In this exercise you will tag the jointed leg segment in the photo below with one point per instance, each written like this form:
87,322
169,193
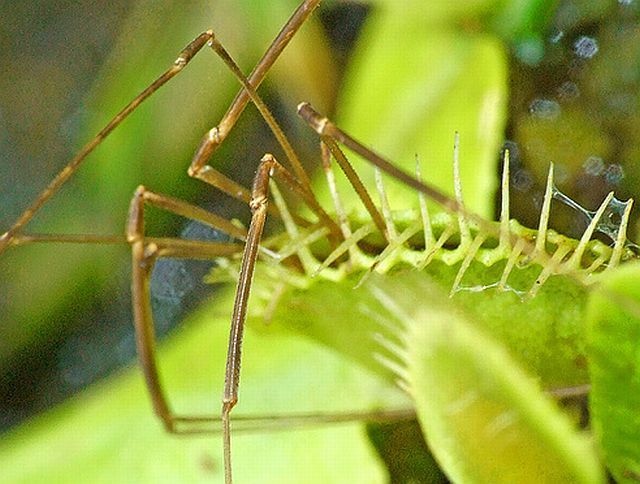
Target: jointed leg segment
180,63
144,253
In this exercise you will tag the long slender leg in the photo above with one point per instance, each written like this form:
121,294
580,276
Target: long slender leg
267,169
258,204
211,141
144,253
324,127
215,136
146,250
182,60
303,178
357,184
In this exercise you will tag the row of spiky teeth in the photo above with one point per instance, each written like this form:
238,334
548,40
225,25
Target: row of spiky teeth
513,245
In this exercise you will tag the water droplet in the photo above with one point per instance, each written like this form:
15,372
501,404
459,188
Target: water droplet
521,180
544,108
568,91
586,47
556,36
614,174
594,166
530,51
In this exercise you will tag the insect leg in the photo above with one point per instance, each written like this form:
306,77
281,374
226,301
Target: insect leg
323,126
215,136
268,168
145,251
258,204
61,178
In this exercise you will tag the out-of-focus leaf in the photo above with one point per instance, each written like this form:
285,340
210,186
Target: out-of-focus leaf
411,87
402,447
483,416
614,366
438,12
521,19
109,433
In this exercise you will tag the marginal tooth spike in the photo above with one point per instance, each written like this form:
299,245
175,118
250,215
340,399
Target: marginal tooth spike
379,262
595,265
304,240
465,231
511,262
273,301
429,239
544,214
405,387
480,238
549,268
347,245
386,208
392,347
621,239
384,261
393,309
333,189
505,243
574,262
505,236
448,232
309,263
393,366
354,253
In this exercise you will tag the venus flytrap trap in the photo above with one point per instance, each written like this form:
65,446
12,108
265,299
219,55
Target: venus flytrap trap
474,325
613,328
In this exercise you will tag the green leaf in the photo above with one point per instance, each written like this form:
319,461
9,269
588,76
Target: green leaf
484,417
109,432
373,321
410,88
546,333
614,366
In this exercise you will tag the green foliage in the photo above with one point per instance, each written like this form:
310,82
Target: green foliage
153,147
484,416
109,433
613,335
475,365
409,108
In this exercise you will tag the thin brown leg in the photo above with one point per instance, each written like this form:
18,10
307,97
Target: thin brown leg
211,140
356,183
182,60
268,168
302,178
184,209
217,135
144,253
258,205
324,127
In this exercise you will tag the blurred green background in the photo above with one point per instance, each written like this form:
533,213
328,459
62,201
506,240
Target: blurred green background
573,70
